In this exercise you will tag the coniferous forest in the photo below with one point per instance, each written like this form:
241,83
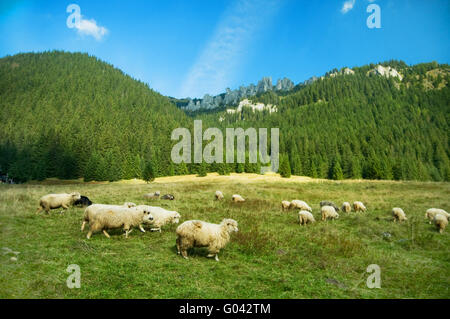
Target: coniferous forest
70,115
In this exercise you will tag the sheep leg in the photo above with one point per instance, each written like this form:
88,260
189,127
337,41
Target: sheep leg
82,225
184,254
127,231
106,233
39,210
89,234
178,245
141,228
217,257
156,229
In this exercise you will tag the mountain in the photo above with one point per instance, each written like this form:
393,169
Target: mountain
70,115
385,121
232,97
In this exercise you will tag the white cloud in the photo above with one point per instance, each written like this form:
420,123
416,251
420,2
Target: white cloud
219,60
90,27
347,6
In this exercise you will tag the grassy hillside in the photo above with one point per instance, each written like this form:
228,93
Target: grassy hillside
270,257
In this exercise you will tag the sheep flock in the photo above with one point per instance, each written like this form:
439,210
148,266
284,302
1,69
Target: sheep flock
199,233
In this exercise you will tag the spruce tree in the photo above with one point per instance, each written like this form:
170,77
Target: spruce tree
148,174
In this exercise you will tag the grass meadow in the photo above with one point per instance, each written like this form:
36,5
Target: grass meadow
270,257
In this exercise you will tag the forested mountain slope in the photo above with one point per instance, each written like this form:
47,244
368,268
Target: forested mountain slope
360,124
70,115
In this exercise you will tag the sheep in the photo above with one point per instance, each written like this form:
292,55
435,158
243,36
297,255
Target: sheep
441,222
197,233
399,214
305,217
52,201
328,203
285,205
161,216
237,198
431,212
103,218
359,206
82,202
89,213
152,195
219,195
328,212
346,207
300,204
168,196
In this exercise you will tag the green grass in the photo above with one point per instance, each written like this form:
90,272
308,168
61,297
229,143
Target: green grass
270,257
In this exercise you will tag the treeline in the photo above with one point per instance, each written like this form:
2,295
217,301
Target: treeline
69,115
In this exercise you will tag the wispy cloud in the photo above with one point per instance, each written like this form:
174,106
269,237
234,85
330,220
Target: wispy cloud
215,66
90,27
347,6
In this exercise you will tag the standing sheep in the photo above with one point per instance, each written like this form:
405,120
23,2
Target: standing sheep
359,206
93,209
441,222
237,198
346,207
219,195
197,233
52,201
285,205
431,212
161,216
115,217
305,217
328,212
399,214
300,205
328,203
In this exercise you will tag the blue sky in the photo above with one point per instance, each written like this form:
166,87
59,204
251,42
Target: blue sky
193,47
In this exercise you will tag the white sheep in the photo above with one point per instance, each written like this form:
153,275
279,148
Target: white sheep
237,198
300,205
103,218
285,205
152,195
346,207
441,222
431,212
219,195
52,201
399,214
359,206
161,216
305,217
88,213
328,212
197,233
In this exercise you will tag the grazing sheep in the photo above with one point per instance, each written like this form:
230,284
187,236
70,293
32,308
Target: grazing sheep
441,222
399,214
168,196
82,202
300,204
161,216
219,195
103,218
52,201
346,207
237,198
431,212
305,217
89,213
285,205
152,195
359,206
328,203
197,233
328,212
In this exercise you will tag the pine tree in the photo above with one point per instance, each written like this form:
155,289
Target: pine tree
148,174
285,167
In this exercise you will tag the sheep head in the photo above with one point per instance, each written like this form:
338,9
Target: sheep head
75,196
175,218
230,225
